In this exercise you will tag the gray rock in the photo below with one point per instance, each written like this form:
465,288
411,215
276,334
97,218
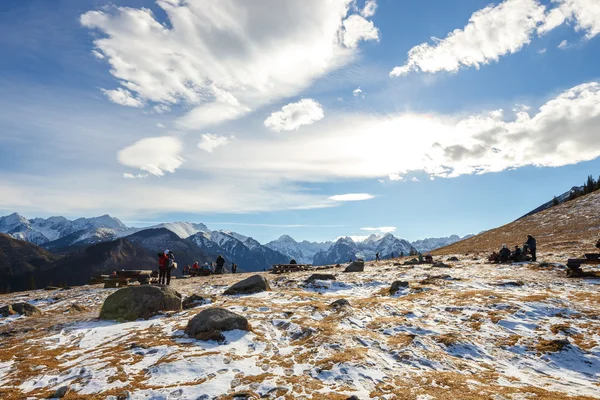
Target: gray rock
397,285
440,264
61,392
356,266
414,261
253,284
340,303
20,308
453,259
193,301
209,324
508,283
51,288
135,302
320,277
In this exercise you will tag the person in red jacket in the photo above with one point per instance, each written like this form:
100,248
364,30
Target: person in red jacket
163,267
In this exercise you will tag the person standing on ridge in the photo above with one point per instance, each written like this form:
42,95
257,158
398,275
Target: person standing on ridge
233,268
376,256
220,264
532,245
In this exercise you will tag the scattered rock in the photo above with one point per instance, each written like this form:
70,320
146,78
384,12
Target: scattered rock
253,284
440,264
340,303
61,392
356,266
320,277
453,259
193,301
433,278
353,398
414,261
66,288
50,288
397,285
135,302
76,308
508,283
209,324
19,308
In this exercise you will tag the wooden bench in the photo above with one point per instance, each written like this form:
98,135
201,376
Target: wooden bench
281,268
123,278
574,265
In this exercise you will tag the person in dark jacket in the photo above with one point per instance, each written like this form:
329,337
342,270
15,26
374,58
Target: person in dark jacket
163,267
220,264
293,261
517,254
504,254
233,268
376,256
532,245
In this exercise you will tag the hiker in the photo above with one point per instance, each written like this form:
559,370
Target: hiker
532,246
429,258
517,255
401,254
163,266
186,269
504,254
293,261
195,266
220,263
233,268
376,256
392,256
494,258
420,258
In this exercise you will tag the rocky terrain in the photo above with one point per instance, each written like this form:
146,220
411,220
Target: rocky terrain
464,330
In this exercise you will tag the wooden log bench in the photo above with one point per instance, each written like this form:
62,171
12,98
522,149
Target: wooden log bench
574,265
281,268
123,278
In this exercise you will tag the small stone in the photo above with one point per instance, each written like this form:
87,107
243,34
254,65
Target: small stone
209,324
253,284
453,259
320,277
356,266
340,303
61,392
192,301
397,285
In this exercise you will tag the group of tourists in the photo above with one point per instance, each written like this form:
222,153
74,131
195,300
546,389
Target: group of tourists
518,254
166,264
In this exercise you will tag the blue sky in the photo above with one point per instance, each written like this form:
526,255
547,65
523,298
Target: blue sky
316,118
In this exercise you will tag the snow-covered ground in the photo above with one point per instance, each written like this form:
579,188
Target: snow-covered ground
466,332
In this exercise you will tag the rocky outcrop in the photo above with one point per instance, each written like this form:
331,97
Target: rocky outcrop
356,266
209,324
340,303
135,302
20,308
253,284
194,300
397,285
320,277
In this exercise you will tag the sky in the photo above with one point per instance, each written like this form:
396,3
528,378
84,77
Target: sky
313,118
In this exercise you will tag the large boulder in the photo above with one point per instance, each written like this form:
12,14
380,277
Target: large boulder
19,308
253,284
209,324
356,266
320,277
135,302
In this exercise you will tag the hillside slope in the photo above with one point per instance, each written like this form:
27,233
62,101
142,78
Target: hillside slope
571,228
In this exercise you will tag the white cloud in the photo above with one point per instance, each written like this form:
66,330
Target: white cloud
294,115
414,179
210,142
161,108
356,92
382,229
357,29
542,51
351,197
128,175
154,155
223,59
98,55
394,176
491,33
369,9
123,97
563,45
159,125
585,14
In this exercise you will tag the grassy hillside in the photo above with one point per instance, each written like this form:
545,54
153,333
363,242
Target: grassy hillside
570,228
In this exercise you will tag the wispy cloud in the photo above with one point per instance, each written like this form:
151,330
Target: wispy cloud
154,155
382,229
210,142
295,115
351,197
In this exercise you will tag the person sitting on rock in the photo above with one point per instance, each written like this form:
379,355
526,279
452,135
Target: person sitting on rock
494,258
517,254
504,254
186,269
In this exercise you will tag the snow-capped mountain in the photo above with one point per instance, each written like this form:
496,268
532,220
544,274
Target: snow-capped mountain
249,254
346,249
429,244
40,231
303,252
